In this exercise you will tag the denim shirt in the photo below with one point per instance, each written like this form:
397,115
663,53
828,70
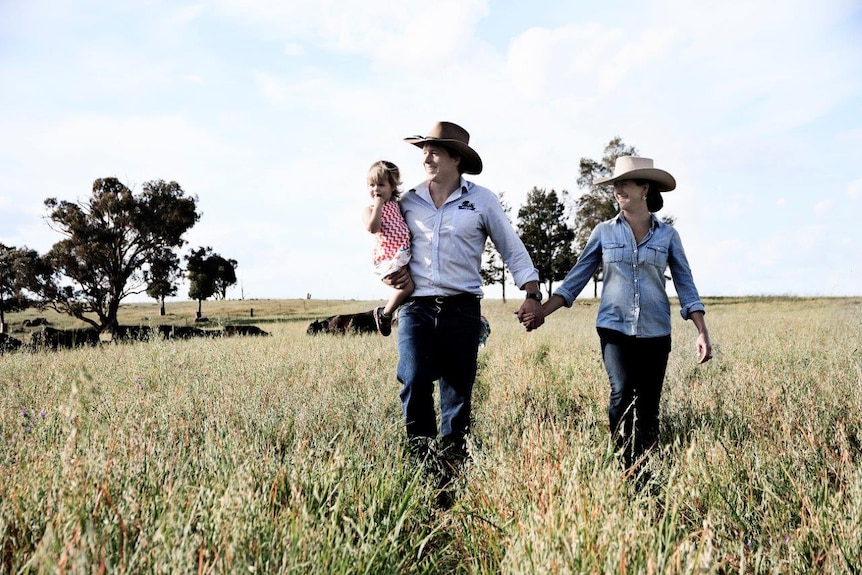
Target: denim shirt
447,242
634,300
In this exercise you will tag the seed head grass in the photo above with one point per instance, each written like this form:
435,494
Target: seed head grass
285,454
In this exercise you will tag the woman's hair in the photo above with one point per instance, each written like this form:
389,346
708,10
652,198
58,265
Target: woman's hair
383,171
654,201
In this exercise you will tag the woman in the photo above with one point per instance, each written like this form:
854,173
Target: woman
634,321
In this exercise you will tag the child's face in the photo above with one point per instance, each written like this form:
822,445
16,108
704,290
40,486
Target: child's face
380,190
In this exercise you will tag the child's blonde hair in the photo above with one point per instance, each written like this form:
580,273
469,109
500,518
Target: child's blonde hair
383,171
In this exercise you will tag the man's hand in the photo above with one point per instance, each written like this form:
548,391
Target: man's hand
530,314
397,279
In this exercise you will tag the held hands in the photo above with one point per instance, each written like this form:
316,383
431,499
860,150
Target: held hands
531,314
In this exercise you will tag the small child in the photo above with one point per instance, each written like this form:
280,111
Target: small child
392,252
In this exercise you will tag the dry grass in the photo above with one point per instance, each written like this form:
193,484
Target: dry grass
284,454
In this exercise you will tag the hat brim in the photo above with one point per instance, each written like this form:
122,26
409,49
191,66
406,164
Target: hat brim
471,163
663,180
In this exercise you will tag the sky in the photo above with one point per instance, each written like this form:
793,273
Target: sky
271,111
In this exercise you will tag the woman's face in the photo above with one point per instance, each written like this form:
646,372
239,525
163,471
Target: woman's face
628,194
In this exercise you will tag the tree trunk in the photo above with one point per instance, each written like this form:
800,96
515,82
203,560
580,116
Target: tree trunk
199,315
162,307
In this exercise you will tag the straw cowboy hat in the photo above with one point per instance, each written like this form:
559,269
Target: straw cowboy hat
456,139
635,168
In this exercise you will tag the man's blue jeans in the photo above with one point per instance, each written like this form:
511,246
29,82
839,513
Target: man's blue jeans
636,368
438,339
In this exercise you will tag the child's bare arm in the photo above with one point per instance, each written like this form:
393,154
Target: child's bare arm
372,215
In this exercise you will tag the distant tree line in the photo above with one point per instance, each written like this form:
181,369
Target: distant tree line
115,243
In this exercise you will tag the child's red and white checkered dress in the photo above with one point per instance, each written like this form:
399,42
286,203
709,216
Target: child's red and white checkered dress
392,251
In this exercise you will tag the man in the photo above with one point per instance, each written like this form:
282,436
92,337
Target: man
439,325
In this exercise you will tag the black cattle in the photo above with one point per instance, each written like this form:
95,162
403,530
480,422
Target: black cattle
35,322
9,343
133,333
181,331
243,330
352,323
50,338
318,326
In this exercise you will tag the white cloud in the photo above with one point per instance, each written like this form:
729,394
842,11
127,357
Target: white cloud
272,111
386,31
824,207
293,49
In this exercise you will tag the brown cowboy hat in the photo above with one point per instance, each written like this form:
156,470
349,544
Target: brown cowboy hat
636,168
455,138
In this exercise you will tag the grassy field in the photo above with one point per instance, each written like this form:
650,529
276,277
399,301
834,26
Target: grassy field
284,454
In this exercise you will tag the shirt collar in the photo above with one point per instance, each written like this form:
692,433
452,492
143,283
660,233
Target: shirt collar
619,220
466,186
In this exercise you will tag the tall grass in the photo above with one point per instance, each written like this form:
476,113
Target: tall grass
285,454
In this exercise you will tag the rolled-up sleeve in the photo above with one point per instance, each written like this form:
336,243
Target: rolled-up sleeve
683,281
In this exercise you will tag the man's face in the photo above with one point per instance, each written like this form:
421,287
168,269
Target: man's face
439,164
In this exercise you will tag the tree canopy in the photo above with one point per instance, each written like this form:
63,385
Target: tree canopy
209,275
162,276
22,272
109,240
544,231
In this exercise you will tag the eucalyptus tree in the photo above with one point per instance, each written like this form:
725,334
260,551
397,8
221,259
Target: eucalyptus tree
209,275
109,239
22,272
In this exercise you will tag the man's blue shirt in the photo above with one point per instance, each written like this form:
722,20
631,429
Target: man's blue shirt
447,242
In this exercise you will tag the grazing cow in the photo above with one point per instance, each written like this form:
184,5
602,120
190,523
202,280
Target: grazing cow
181,331
243,330
9,343
35,322
133,333
50,338
352,323
318,326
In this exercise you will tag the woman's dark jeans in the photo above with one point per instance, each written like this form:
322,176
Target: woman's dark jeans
636,369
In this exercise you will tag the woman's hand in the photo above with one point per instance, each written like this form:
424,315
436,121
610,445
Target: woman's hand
704,347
